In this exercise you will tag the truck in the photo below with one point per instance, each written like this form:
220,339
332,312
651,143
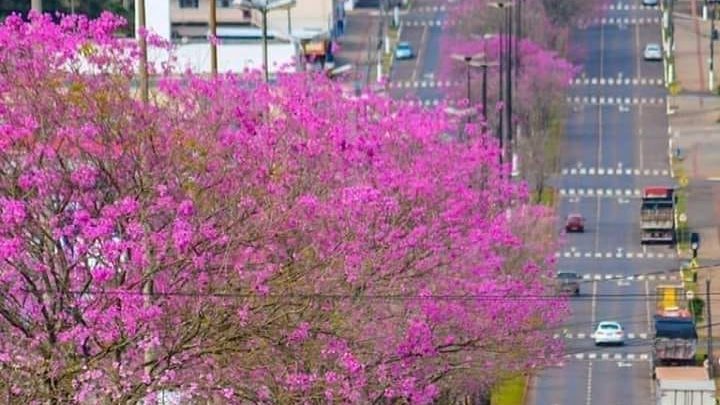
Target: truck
684,386
657,215
670,301
675,340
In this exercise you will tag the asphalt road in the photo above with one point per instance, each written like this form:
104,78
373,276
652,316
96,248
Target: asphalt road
417,79
616,144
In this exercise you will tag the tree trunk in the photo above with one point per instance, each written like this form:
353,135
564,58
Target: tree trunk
36,5
127,4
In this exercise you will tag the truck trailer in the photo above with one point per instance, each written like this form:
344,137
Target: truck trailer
684,386
657,215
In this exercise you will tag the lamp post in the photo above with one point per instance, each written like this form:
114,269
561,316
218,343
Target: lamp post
264,6
468,60
485,65
506,70
144,79
213,34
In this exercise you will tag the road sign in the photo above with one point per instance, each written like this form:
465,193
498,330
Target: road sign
695,240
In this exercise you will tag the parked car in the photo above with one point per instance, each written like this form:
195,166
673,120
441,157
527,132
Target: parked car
652,52
404,50
650,3
568,282
575,223
609,332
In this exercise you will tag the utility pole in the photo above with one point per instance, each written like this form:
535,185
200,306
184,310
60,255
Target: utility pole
144,80
501,95
508,82
711,70
36,5
213,38
265,44
709,327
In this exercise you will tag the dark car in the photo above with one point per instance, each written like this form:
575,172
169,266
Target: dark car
568,282
575,223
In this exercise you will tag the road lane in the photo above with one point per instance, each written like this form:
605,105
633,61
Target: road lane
607,162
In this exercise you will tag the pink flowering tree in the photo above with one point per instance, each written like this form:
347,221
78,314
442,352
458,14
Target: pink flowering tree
239,242
539,96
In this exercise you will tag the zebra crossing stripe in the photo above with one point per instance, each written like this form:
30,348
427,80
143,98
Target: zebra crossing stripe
574,253
617,171
609,356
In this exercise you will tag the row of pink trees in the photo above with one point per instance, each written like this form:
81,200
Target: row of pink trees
541,74
240,242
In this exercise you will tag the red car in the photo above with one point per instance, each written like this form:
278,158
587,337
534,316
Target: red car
575,223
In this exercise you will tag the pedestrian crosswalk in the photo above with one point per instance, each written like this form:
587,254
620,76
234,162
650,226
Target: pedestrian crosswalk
614,171
407,84
432,102
625,6
595,100
618,21
428,23
638,277
580,336
608,356
617,81
428,9
601,192
576,254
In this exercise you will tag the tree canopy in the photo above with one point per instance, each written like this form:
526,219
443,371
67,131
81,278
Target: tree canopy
249,242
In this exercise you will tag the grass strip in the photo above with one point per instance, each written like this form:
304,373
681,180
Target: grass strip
510,391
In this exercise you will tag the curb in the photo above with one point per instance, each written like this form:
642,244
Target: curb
529,378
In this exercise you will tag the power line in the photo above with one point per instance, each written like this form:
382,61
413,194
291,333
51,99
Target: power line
373,297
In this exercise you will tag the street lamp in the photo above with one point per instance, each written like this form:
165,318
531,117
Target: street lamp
484,64
264,6
505,62
478,60
468,59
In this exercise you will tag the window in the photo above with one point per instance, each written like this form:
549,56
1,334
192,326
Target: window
224,3
189,3
246,14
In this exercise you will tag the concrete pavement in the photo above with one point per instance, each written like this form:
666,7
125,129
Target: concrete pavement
695,132
694,129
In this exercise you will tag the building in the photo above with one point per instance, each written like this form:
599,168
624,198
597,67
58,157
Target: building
189,18
300,34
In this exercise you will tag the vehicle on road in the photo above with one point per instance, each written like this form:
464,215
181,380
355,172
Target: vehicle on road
404,50
575,223
568,282
650,3
675,341
684,385
652,52
657,215
609,333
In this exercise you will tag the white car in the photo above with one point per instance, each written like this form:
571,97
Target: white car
652,52
609,332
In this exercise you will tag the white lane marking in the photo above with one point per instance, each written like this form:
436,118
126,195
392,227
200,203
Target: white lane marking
418,58
588,398
648,316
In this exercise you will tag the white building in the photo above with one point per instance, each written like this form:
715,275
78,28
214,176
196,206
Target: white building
301,32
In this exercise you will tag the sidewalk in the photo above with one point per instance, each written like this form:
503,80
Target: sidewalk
694,128
358,45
